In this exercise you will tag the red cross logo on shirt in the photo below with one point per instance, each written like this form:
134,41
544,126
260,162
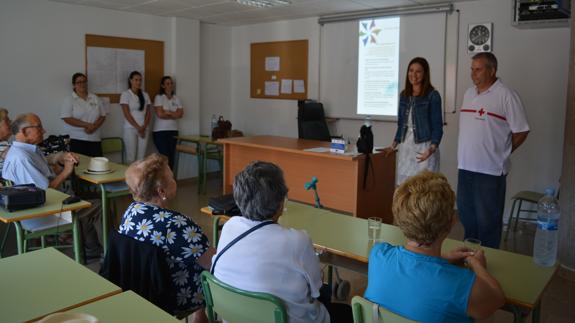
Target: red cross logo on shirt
481,112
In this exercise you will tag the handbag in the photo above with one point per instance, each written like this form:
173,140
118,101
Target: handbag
224,205
222,130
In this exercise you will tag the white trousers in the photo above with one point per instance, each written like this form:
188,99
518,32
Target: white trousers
135,145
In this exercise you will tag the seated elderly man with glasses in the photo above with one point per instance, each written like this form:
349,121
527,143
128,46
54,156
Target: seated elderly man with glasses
25,164
271,259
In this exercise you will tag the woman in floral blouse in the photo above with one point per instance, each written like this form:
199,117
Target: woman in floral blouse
147,219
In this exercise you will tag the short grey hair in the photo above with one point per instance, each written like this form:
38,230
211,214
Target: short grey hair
20,122
259,190
489,58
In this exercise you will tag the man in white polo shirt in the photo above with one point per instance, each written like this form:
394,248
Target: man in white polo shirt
492,124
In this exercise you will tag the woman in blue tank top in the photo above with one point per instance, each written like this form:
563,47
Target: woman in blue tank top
415,280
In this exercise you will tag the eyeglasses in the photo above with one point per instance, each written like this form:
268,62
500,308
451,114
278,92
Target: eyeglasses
81,82
38,126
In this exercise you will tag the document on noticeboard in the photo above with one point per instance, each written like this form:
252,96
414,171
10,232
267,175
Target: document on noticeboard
298,86
273,63
286,86
272,88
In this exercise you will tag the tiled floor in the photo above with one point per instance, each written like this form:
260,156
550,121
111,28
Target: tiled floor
558,302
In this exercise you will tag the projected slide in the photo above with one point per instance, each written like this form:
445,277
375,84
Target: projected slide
378,66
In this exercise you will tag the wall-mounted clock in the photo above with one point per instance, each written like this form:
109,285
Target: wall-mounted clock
480,38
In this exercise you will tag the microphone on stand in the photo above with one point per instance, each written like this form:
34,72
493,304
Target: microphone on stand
313,186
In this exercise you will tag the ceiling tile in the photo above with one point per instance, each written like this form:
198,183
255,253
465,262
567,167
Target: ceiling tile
103,4
211,10
387,3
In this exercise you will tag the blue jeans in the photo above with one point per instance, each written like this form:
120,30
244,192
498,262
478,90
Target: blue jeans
165,142
480,202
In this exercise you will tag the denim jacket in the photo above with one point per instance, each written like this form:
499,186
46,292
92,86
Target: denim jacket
427,118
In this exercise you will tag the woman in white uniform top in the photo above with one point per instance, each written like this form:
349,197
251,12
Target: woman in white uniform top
168,109
136,108
83,115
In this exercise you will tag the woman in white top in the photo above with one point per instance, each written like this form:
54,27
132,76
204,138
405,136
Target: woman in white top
83,115
168,109
272,259
136,108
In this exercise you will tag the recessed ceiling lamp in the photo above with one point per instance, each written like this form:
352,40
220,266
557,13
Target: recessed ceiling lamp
264,3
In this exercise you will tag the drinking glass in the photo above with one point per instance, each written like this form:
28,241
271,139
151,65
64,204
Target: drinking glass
373,228
285,204
472,244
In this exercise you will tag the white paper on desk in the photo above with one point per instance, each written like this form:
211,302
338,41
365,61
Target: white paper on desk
286,86
273,63
298,86
47,221
318,150
272,88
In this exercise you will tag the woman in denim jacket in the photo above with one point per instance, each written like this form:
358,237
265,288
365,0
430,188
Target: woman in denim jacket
419,123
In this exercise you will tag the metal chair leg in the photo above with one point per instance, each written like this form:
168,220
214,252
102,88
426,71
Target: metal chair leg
4,239
200,170
20,239
510,222
518,215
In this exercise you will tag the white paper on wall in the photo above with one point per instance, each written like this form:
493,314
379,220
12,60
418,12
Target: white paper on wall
272,88
109,68
286,86
298,86
273,63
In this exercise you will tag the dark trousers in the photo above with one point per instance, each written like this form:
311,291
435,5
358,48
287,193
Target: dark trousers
165,142
338,312
480,202
88,148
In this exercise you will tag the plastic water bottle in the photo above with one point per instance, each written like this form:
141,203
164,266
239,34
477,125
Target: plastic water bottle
546,238
214,122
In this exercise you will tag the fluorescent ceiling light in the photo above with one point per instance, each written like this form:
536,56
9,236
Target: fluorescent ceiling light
264,3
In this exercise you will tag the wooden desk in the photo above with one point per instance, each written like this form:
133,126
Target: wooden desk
340,185
117,176
522,281
125,307
45,281
52,206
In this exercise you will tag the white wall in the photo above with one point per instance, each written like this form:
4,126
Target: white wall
42,45
216,72
533,61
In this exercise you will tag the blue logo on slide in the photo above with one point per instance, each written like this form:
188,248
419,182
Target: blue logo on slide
368,32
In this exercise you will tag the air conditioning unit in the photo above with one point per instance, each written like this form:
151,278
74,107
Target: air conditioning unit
541,13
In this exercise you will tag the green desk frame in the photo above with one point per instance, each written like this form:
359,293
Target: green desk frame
52,206
202,144
118,175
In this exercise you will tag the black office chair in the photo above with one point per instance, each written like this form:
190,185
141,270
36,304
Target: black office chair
311,121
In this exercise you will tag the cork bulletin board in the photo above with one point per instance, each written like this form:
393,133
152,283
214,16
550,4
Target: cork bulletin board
150,52
279,70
